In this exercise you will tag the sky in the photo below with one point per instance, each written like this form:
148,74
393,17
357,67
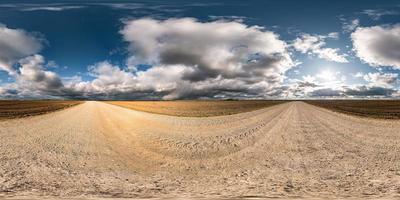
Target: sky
265,49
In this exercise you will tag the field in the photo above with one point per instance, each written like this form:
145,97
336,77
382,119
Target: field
288,150
384,109
202,108
16,109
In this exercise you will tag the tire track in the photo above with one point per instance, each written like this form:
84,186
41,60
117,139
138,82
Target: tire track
291,149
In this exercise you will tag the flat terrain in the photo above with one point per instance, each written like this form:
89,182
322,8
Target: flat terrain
292,149
198,108
384,109
16,109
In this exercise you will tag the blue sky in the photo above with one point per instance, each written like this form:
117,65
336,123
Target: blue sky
273,49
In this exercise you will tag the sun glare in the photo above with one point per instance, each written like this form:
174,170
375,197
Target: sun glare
326,75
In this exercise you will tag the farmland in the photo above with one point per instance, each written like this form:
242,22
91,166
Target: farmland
383,109
200,108
16,109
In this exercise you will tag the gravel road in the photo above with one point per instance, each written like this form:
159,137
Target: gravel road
288,150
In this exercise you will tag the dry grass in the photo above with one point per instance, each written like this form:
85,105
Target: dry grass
15,109
384,109
198,108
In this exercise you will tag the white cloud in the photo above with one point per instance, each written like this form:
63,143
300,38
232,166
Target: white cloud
350,26
315,44
32,80
124,6
324,84
212,56
229,18
111,80
386,80
333,85
333,35
358,75
187,58
51,8
315,89
309,78
331,55
42,6
378,45
32,75
14,45
108,78
377,14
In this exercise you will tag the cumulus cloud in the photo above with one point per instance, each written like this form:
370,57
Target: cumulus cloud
186,59
16,44
33,75
18,57
111,81
208,56
32,80
315,44
386,80
165,82
378,45
109,77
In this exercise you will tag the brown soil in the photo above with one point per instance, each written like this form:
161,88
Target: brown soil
384,109
202,108
15,109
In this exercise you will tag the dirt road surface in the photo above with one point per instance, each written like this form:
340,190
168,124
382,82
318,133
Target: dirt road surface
288,150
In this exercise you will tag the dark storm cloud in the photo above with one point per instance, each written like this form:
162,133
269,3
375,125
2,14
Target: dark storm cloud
326,92
369,91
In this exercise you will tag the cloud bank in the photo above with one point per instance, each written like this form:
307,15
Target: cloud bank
189,59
